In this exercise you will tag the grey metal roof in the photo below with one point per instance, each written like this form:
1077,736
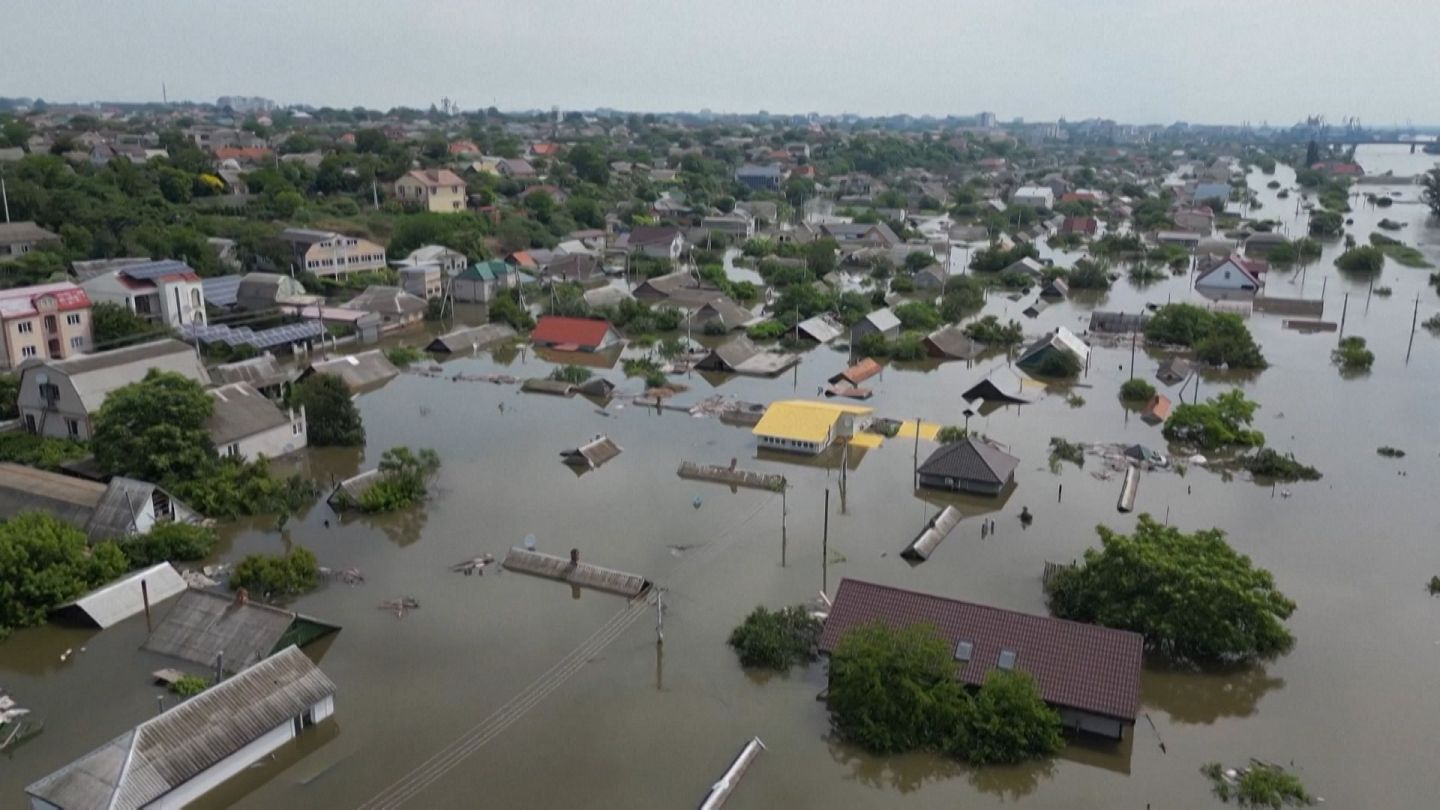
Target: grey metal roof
883,320
952,341
821,329
971,459
470,338
387,301
203,624
96,375
730,354
15,232
360,370
111,604
274,337
260,371
221,291
241,412
115,515
161,754
72,500
306,236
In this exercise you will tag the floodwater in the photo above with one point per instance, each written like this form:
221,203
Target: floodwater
1353,706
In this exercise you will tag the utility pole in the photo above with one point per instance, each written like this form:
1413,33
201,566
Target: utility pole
825,547
784,511
915,461
1133,337
5,195
1414,319
1343,310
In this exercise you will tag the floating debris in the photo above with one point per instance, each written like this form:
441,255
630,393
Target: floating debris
349,576
195,579
401,606
474,565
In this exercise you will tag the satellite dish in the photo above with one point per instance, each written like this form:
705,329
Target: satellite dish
530,542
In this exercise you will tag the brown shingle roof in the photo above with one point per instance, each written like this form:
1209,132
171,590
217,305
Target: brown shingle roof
1080,666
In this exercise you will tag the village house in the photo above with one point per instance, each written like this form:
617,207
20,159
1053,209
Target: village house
1033,197
761,178
448,260
739,355
855,235
439,191
655,241
46,321
58,397
580,268
1089,674
362,371
806,427
257,292
19,238
244,424
397,309
1232,275
969,465
736,224
1197,220
326,253
180,755
110,511
1060,341
425,281
166,292
574,334
881,322
482,281
1259,245
1084,226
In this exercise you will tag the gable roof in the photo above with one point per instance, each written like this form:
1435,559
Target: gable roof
96,375
1079,666
162,753
435,178
652,235
559,331
951,341
387,301
359,370
111,604
821,328
803,420
16,232
883,319
971,459
203,625
240,412
470,338
1062,339
20,302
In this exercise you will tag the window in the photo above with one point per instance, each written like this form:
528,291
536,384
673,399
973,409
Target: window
25,327
27,351
73,319
964,650
77,343
1007,659
233,451
30,423
72,428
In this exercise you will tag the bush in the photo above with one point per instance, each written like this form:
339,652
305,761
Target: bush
894,691
949,434
1271,464
1190,594
917,315
1089,275
294,572
1397,250
230,488
1367,260
402,356
188,686
46,562
776,640
1146,274
902,284
404,480
1352,356
1229,343
1216,423
44,452
963,296
570,374
1136,390
766,330
169,542
990,331
1390,452
1062,449
331,418
1326,223
1261,785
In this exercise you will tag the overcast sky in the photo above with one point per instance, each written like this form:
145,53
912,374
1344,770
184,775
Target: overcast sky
1138,61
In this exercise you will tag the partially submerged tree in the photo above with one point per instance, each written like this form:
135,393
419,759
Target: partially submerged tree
1262,785
1191,595
294,572
45,562
331,418
776,639
1219,422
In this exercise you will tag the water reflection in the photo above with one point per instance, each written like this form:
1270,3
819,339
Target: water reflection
1201,697
905,773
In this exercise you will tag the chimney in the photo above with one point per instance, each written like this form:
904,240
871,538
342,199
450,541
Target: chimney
242,596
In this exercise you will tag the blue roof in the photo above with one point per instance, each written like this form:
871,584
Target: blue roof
245,336
221,290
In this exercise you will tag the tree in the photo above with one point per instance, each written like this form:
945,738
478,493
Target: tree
917,315
372,141
294,572
963,296
1136,390
590,164
45,562
9,396
1352,355
776,639
1007,722
1190,594
404,479
1229,343
1216,423
171,541
990,331
330,413
1366,260
1430,193
112,323
1262,785
1326,223
154,429
1089,275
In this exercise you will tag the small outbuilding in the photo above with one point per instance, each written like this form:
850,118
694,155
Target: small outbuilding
969,465
205,627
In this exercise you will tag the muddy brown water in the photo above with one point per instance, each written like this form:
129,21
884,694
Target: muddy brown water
1354,706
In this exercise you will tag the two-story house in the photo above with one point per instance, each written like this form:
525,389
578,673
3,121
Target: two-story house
167,291
326,253
58,397
44,322
656,241
439,191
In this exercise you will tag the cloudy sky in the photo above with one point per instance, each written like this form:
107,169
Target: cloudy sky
1139,61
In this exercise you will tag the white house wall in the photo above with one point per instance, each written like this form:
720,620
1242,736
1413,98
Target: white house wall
281,440
212,777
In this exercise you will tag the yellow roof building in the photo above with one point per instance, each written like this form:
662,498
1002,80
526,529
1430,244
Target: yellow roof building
804,421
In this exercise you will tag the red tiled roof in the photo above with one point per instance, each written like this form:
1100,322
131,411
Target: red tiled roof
545,148
434,178
242,152
554,330
19,302
1080,666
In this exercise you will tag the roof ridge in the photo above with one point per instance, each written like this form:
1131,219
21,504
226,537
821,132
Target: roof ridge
1025,614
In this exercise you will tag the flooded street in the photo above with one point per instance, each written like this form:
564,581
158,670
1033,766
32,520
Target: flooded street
1353,706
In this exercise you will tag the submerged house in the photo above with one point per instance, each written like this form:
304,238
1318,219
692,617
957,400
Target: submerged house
806,427
470,338
176,757
1089,674
1173,370
111,511
1234,275
969,465
951,342
1042,352
739,355
127,596
591,454
881,322
359,372
574,334
231,632
1117,323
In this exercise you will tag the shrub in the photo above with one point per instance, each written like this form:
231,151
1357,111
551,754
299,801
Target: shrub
294,572
1352,356
989,330
1136,390
171,541
1056,365
949,434
963,296
331,418
402,356
1261,785
1191,595
776,639
1146,274
1390,452
1064,450
1367,259
1326,223
766,330
1089,275
570,374
44,452
917,315
188,686
404,479
1216,423
1268,463
45,562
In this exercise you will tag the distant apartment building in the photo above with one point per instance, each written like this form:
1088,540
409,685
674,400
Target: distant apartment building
167,292
768,177
439,191
44,322
326,253
245,104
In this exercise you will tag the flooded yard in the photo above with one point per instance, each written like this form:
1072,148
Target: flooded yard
619,721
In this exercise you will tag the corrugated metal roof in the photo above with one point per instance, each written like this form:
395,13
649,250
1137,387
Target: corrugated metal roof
1075,665
883,320
241,412
260,372
802,420
202,624
163,753
96,375
114,516
360,370
111,604
470,339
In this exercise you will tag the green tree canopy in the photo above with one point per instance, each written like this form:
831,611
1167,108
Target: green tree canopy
330,414
776,639
1216,423
1191,595
45,562
111,323
154,429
